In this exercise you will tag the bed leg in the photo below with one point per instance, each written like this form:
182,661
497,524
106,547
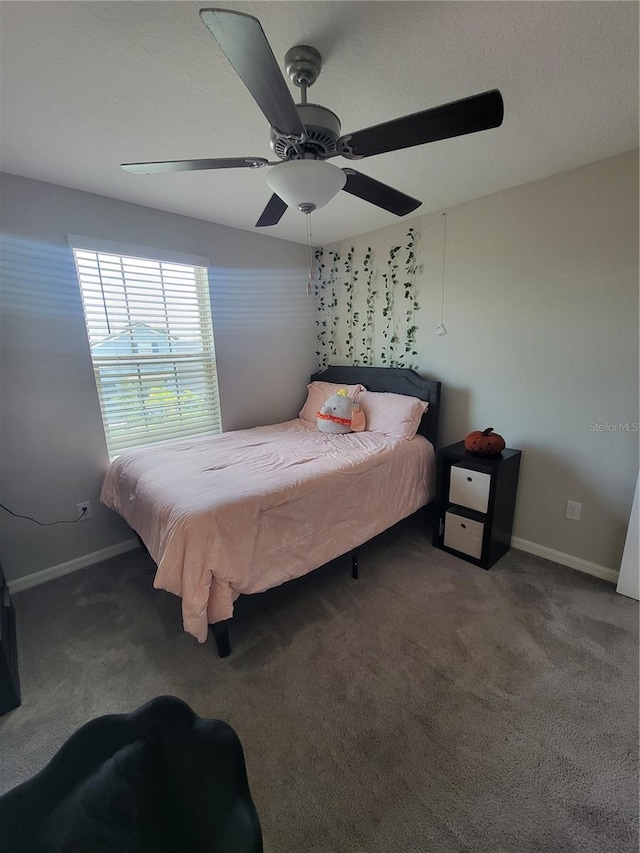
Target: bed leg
354,564
220,631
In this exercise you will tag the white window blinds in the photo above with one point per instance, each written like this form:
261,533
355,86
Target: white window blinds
151,339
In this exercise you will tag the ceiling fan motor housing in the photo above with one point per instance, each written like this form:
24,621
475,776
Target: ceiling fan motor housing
323,131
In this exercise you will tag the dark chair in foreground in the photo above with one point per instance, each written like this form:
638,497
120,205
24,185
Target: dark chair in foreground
158,780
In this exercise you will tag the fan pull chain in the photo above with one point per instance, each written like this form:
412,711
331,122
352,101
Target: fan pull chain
309,254
441,329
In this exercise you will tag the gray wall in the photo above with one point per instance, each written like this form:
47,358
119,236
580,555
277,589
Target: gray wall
52,449
541,304
542,311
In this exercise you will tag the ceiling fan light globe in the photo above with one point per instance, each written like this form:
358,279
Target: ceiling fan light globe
306,182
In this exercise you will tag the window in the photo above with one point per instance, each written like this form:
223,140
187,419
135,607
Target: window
151,339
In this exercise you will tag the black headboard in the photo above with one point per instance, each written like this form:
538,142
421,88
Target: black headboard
395,380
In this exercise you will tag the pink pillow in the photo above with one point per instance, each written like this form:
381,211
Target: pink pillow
319,392
392,414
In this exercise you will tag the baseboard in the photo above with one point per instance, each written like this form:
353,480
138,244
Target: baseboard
565,559
52,572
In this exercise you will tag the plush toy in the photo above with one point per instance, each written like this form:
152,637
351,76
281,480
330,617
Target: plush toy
340,414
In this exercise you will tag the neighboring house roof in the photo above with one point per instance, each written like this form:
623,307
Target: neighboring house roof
134,326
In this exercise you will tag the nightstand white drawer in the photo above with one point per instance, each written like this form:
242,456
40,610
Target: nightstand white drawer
469,488
463,534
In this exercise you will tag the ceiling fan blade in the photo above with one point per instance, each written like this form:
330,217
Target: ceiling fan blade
245,45
379,194
195,165
273,212
479,112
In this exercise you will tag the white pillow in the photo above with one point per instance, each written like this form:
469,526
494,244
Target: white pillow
392,414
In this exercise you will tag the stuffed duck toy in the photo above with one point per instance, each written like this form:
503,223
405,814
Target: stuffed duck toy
340,414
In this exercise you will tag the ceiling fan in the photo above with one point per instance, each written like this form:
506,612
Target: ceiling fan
305,136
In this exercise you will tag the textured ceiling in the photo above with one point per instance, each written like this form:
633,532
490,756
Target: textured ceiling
85,86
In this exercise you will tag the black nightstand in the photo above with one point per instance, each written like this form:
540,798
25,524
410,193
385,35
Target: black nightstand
9,686
475,503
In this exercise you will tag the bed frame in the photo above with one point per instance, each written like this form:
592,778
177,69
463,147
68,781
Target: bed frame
395,380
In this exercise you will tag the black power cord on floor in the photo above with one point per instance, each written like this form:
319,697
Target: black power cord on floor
43,523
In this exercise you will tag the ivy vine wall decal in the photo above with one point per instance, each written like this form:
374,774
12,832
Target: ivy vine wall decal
357,296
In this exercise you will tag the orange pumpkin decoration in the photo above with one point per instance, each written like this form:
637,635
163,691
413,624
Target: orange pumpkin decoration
485,442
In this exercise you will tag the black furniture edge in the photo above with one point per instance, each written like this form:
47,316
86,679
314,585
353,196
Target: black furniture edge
9,678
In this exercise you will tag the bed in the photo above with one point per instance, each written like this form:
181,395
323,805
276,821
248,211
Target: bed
242,512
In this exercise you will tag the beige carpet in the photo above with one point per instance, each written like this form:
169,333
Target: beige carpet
429,706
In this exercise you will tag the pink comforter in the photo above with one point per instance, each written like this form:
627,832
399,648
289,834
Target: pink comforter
245,511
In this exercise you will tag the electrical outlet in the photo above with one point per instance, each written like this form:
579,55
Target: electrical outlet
84,510
574,510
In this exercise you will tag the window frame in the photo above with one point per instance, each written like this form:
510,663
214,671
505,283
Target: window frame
197,366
